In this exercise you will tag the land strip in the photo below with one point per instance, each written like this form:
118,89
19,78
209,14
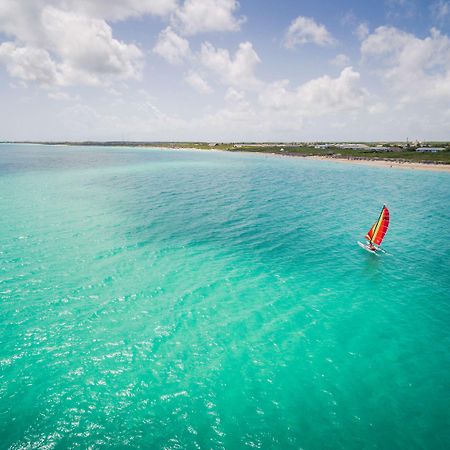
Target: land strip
424,155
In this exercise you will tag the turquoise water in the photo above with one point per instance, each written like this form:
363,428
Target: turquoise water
181,299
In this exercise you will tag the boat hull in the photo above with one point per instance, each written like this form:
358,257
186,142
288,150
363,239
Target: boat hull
365,247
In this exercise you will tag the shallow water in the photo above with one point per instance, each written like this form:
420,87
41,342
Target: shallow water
180,299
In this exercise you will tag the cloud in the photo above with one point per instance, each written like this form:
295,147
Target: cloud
349,18
76,41
94,53
63,96
278,111
235,71
440,10
304,30
340,60
415,69
236,119
281,111
61,43
234,96
29,64
317,97
401,8
75,48
18,16
201,16
362,31
21,19
324,95
121,9
172,47
198,83
377,108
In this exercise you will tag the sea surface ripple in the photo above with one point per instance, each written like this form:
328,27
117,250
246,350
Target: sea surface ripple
178,299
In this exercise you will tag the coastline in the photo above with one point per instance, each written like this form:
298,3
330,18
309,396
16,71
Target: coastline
394,164
358,160
384,163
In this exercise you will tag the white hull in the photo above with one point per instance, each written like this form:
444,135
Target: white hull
366,247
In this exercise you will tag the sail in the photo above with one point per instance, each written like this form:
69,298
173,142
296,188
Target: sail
379,228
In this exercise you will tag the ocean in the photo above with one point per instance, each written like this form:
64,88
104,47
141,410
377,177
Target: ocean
177,299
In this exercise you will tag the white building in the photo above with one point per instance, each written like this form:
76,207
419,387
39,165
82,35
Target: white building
381,148
354,146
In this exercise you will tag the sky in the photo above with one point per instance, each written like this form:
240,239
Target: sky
223,70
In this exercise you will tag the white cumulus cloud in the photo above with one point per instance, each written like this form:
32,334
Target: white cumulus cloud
20,19
195,80
340,60
199,16
29,64
237,70
171,46
304,30
325,94
77,43
87,48
415,69
74,48
317,97
121,9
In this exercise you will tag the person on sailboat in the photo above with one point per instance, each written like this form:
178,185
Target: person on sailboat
371,246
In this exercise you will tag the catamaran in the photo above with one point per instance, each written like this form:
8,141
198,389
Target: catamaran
376,234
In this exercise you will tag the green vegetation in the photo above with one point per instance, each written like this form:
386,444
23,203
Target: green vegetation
442,157
413,156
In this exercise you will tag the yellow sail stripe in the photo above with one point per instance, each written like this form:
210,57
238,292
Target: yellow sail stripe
377,227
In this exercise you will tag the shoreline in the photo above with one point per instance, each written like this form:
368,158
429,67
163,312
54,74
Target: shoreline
384,163
357,160
394,164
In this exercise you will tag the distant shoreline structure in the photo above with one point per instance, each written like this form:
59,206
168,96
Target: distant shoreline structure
433,155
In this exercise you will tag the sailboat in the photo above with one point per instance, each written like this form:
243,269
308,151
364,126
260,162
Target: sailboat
376,234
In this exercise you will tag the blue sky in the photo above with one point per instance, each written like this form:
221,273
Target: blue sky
222,70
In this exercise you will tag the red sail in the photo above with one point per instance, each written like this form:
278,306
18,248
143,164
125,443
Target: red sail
369,234
378,230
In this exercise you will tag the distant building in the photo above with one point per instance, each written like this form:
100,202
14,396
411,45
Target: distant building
381,148
430,149
354,146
